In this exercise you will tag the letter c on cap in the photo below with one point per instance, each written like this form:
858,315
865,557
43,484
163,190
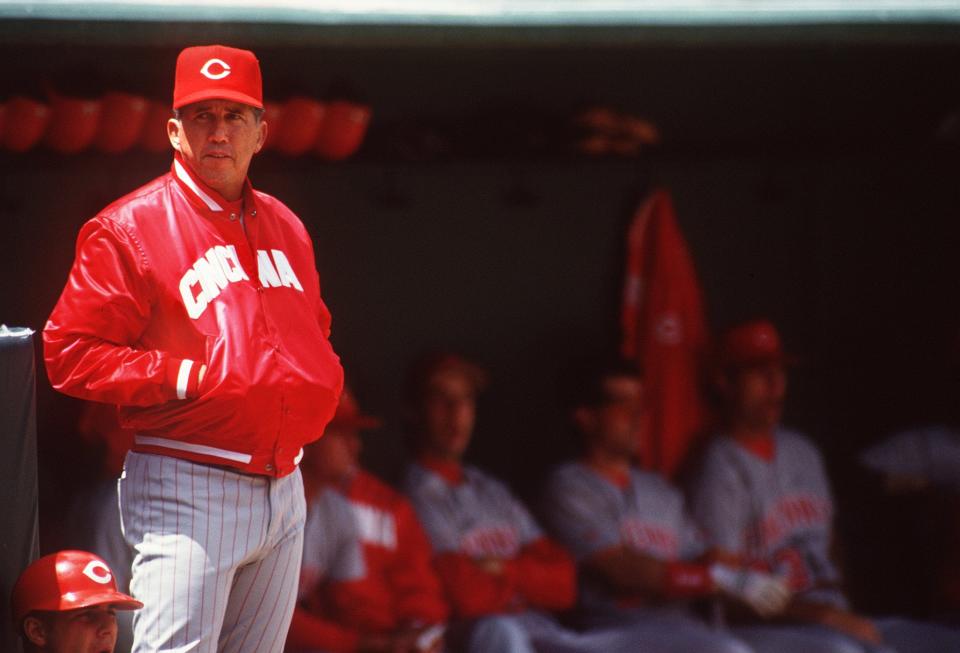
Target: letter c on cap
225,69
97,572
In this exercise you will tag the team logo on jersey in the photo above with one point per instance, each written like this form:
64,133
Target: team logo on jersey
498,541
97,572
375,526
215,69
650,538
794,513
669,329
220,266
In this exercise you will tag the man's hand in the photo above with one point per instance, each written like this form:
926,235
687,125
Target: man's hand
768,595
491,565
854,625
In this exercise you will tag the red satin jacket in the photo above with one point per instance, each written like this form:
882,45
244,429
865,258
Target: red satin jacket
173,277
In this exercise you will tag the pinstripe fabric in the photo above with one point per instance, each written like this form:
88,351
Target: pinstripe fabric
217,555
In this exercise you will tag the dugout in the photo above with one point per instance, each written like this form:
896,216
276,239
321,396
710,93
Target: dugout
813,160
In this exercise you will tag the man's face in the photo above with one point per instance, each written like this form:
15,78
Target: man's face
613,425
334,456
757,397
87,630
449,412
218,138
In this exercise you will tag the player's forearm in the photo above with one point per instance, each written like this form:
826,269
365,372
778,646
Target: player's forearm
833,617
472,590
546,576
90,368
629,571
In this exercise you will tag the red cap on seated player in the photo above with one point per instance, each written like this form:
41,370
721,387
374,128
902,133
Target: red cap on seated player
217,72
348,414
752,343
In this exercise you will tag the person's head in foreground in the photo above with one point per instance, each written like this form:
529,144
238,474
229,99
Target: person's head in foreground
66,602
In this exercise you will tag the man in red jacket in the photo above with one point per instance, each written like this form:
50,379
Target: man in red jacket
366,583
502,575
194,304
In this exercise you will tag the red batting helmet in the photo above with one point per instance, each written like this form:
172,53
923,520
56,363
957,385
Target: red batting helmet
302,119
121,121
26,121
67,580
73,123
342,130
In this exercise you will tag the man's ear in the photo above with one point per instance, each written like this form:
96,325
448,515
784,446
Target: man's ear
34,631
263,135
173,133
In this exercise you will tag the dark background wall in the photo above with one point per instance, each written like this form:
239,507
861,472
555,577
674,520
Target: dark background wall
808,178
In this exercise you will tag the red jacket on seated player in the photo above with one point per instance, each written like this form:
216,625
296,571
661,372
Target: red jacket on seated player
366,580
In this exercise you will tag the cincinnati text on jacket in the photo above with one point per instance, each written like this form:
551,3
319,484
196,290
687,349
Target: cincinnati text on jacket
219,266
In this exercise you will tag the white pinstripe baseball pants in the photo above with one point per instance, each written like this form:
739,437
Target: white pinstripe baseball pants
217,555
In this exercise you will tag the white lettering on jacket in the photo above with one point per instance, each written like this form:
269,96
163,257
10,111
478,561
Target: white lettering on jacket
209,275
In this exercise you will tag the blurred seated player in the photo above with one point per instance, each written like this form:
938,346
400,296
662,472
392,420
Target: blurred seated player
66,602
641,557
917,459
366,580
762,492
502,575
93,518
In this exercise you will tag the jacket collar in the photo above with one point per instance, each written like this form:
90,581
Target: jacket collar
207,199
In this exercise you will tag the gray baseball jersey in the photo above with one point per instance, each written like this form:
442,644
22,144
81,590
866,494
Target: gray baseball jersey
332,545
777,512
479,517
588,513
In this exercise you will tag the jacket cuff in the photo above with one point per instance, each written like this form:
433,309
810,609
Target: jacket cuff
183,375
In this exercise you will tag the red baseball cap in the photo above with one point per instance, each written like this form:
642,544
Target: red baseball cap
752,343
67,580
207,72
348,414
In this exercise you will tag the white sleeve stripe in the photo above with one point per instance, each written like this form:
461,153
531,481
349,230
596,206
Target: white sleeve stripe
183,378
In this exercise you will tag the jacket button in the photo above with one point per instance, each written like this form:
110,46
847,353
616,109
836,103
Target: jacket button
233,216
268,467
